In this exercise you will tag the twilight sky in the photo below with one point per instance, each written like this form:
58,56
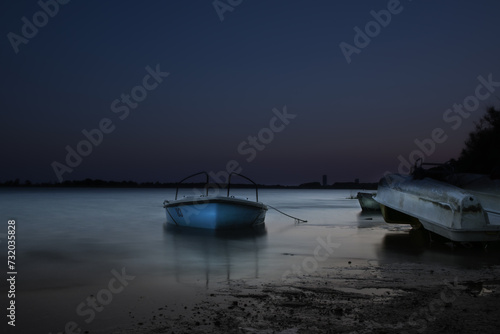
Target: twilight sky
285,90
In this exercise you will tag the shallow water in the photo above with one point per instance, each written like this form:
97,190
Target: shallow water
71,243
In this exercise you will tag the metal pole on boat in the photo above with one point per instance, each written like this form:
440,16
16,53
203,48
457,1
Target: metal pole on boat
190,176
243,176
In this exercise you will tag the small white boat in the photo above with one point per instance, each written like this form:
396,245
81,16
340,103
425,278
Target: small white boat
452,211
214,211
367,202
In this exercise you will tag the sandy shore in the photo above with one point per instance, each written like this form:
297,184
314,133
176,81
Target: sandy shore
363,297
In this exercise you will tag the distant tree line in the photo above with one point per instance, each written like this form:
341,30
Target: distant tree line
97,183
339,185
481,152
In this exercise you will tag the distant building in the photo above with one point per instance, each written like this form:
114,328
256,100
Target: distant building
325,182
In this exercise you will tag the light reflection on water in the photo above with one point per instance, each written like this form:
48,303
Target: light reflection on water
216,253
90,230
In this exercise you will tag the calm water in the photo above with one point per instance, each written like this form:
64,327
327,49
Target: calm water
72,244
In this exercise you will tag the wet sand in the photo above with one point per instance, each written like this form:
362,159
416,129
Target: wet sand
360,297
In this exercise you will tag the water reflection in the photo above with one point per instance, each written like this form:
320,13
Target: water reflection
410,243
426,247
368,219
209,255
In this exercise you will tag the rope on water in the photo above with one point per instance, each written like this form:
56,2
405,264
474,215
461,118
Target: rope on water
297,220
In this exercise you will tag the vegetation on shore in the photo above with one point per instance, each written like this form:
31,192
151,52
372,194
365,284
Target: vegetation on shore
481,153
96,183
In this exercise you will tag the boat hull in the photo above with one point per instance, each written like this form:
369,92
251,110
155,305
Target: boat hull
367,202
392,216
442,208
215,213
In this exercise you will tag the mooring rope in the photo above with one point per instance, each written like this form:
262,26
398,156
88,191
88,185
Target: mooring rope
297,220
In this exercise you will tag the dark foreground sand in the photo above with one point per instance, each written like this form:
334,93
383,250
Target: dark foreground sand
364,297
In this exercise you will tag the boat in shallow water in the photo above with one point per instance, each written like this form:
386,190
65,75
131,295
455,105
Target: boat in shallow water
462,207
214,211
367,202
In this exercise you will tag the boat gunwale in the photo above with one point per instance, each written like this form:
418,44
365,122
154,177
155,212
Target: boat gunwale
464,235
214,200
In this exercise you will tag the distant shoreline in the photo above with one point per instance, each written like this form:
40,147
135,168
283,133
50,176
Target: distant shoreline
90,183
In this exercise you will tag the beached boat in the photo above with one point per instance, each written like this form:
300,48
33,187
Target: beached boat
367,202
215,211
466,210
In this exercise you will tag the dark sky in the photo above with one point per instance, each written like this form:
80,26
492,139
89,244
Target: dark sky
85,67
